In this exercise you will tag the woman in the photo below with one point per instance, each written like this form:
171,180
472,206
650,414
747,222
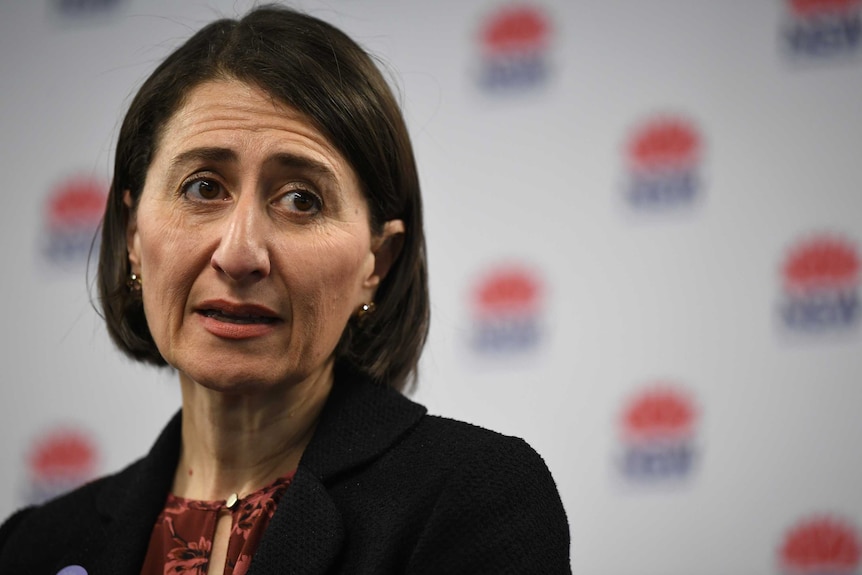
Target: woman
263,236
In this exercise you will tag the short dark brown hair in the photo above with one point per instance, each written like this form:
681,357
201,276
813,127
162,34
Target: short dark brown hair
319,71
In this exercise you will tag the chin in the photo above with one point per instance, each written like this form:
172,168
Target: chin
236,380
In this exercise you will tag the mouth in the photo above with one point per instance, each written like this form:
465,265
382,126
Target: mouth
240,319
241,314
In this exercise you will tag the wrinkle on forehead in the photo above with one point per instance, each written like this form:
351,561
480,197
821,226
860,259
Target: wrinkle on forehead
204,109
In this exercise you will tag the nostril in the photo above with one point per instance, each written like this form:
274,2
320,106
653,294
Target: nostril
241,265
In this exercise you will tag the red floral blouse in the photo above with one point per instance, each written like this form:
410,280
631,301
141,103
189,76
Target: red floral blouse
182,537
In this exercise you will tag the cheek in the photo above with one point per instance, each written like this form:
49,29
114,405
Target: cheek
347,265
169,265
339,265
167,239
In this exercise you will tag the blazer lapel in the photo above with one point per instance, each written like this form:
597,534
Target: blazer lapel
359,423
305,534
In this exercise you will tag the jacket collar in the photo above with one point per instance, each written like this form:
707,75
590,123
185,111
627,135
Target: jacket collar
360,421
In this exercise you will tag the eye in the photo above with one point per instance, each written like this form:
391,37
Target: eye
203,189
301,201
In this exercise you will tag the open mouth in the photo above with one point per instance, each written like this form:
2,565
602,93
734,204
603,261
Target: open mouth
238,318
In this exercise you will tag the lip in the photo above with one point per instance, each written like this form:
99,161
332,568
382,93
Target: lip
228,307
260,319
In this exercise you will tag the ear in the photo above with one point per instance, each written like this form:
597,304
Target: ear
386,247
133,241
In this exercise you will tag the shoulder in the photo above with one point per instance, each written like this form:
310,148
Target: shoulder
468,446
450,497
486,470
438,455
471,450
498,495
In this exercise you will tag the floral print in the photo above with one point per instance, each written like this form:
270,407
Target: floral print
182,538
190,557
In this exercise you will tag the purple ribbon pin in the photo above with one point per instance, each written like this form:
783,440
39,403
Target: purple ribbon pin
72,570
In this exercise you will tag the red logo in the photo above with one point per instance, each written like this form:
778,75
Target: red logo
658,435
77,202
809,8
60,460
514,46
665,143
659,413
63,453
507,311
821,262
664,156
516,29
821,278
508,290
820,545
72,215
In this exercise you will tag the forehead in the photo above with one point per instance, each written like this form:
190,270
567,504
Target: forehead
247,120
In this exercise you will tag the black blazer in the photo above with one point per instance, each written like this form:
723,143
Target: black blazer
382,488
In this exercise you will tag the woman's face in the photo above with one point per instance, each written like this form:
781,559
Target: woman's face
253,242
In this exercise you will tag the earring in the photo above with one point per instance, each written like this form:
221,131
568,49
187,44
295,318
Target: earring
134,284
365,309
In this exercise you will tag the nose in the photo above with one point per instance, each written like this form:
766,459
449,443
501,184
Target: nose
242,254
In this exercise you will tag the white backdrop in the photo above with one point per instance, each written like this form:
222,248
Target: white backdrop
644,224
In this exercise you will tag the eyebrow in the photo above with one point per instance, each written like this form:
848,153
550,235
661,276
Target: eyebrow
293,161
218,155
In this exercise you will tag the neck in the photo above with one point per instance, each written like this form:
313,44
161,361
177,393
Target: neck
238,443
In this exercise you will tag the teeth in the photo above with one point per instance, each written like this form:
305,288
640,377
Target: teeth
237,318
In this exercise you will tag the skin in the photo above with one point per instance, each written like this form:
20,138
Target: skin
243,222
